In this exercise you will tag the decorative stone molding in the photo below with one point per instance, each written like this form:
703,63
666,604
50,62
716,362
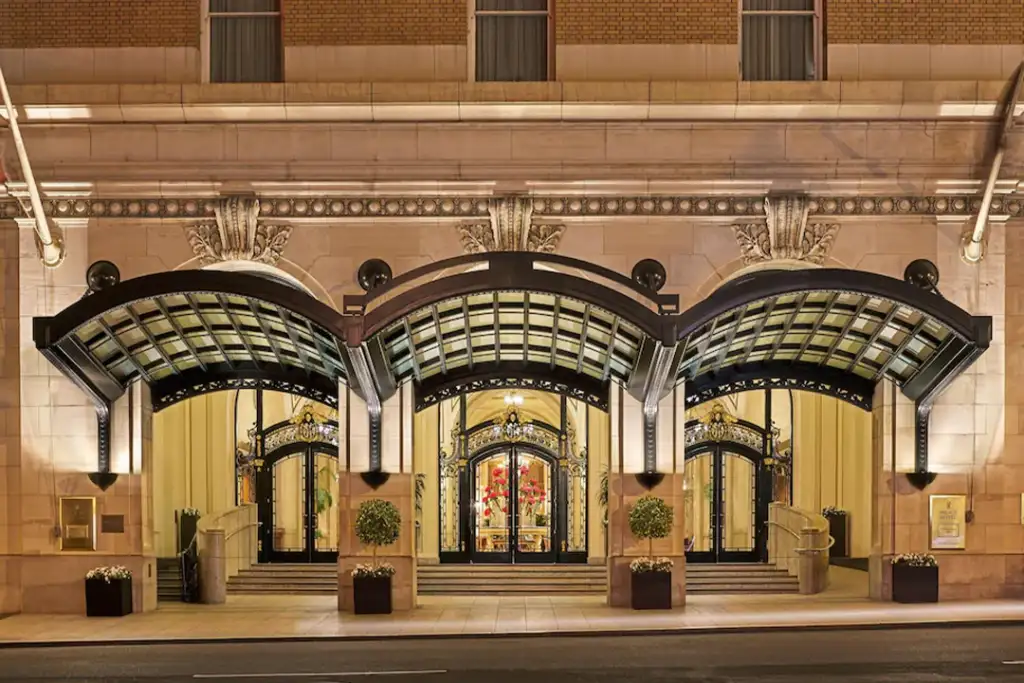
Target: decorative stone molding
511,228
469,208
787,235
237,235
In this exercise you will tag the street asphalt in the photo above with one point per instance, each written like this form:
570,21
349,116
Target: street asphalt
938,655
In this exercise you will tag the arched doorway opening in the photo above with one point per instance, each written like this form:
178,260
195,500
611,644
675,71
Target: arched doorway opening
727,484
513,482
296,491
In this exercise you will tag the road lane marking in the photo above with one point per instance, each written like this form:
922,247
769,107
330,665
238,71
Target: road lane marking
342,674
1015,662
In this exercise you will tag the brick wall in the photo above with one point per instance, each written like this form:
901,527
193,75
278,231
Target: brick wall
935,22
375,22
614,22
99,23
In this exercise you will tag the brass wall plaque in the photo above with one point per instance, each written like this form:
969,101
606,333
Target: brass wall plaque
112,524
947,521
77,523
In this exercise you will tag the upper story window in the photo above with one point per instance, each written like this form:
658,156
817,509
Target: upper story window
245,41
512,41
780,40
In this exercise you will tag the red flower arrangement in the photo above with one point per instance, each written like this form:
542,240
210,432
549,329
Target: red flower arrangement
495,497
531,495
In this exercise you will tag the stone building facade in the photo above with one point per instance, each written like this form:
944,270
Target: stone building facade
380,143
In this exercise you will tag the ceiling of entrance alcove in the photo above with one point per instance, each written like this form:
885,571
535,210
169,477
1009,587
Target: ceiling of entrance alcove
486,406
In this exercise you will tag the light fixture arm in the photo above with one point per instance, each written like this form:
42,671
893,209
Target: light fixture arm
51,247
973,247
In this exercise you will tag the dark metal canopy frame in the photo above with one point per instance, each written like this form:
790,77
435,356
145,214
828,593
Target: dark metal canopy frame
516,319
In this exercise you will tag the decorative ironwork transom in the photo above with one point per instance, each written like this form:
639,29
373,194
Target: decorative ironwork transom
306,427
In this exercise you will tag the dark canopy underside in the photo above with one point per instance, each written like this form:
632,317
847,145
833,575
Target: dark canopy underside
189,333
831,331
513,319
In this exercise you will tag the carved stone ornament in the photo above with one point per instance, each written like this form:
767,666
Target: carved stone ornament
237,234
511,228
786,235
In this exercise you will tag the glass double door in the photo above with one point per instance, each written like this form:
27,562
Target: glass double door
512,497
297,499
726,494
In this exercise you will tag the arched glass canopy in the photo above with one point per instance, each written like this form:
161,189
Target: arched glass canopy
187,333
510,319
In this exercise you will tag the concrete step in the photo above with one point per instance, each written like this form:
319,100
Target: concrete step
282,589
518,580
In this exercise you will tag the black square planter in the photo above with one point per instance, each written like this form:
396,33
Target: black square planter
113,599
915,584
371,594
839,529
651,590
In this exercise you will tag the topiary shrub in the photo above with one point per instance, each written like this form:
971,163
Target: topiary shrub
378,523
650,518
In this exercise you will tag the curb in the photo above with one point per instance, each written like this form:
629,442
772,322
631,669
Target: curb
628,633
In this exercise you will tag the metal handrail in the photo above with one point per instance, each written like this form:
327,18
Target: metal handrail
241,528
794,534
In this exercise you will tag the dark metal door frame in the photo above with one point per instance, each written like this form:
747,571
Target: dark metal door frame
309,554
468,512
761,492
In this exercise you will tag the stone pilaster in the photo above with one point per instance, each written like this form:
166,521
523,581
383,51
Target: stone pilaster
624,490
10,424
353,490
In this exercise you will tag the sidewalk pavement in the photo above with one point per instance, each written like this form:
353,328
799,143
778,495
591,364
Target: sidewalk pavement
255,617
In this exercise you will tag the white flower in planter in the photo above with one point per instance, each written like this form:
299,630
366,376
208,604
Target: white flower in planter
833,511
108,574
190,512
371,571
916,560
644,565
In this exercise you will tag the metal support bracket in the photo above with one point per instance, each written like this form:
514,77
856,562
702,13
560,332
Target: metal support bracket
103,478
358,357
920,478
665,359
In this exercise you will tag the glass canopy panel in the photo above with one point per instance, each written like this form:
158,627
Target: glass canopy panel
511,327
863,335
167,335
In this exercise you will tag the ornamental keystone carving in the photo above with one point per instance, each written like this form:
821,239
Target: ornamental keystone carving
237,235
786,235
511,228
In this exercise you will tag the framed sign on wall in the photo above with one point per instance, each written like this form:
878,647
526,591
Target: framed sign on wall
947,521
77,523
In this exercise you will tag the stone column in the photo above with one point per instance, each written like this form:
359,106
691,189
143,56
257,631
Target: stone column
397,458
58,447
624,490
10,424
213,579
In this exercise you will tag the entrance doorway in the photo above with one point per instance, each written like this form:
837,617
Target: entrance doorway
512,493
727,491
296,494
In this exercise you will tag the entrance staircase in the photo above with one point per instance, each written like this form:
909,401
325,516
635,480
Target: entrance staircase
499,580
505,579
168,579
738,578
286,579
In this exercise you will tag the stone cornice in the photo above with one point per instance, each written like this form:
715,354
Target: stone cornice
558,101
553,207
